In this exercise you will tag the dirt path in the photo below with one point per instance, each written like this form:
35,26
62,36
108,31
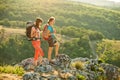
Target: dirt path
4,76
13,31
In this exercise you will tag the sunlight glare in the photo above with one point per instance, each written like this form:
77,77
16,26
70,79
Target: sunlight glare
115,0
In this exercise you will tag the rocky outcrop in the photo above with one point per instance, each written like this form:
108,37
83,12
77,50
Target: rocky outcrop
65,68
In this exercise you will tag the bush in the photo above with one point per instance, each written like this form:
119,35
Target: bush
81,77
100,61
78,65
12,69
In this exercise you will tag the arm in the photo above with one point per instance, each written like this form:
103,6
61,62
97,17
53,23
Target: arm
33,32
54,30
48,32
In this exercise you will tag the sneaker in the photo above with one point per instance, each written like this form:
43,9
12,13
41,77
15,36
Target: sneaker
51,62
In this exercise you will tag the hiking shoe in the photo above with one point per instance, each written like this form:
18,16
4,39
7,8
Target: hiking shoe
51,62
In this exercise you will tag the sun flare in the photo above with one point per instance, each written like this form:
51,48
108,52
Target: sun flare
115,0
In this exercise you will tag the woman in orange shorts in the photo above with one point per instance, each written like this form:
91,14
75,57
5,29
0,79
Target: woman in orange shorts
35,34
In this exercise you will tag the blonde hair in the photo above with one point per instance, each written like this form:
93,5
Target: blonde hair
50,19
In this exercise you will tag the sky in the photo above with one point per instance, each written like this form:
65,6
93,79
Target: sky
115,0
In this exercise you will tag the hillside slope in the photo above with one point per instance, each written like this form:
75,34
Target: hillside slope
13,31
16,13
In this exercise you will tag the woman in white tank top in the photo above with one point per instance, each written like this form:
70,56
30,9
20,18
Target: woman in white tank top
35,33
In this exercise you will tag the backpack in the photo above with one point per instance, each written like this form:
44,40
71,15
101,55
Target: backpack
44,33
29,26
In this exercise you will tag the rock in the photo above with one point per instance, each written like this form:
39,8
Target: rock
31,76
43,68
55,72
65,75
63,60
80,59
59,69
26,62
45,61
112,72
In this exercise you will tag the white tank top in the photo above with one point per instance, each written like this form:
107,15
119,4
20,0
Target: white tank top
37,31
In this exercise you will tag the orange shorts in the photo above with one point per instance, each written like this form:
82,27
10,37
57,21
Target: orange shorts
38,49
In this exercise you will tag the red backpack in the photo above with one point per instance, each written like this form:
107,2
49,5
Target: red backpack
45,34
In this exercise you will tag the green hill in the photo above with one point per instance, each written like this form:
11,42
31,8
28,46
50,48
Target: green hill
15,13
83,27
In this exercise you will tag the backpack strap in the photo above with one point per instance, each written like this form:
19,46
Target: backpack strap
34,38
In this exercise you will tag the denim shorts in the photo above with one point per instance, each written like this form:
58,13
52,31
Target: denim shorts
51,42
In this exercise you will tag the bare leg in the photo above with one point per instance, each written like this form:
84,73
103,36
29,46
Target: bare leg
56,48
49,53
36,57
35,62
40,58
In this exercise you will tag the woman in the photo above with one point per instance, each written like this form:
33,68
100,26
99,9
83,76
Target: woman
35,33
52,39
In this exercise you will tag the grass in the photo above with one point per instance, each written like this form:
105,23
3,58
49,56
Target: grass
12,70
81,77
78,65
115,43
13,31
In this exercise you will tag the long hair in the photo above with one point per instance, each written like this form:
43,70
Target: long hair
38,20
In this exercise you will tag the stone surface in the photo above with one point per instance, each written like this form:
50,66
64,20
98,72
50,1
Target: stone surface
60,69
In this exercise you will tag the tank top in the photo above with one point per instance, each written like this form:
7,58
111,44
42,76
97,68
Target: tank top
37,31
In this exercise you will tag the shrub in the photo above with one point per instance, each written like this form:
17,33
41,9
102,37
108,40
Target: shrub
12,69
81,77
78,65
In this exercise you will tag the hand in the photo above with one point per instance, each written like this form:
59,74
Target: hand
41,31
54,30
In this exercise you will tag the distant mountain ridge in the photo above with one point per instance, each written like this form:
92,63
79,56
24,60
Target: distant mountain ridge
106,3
